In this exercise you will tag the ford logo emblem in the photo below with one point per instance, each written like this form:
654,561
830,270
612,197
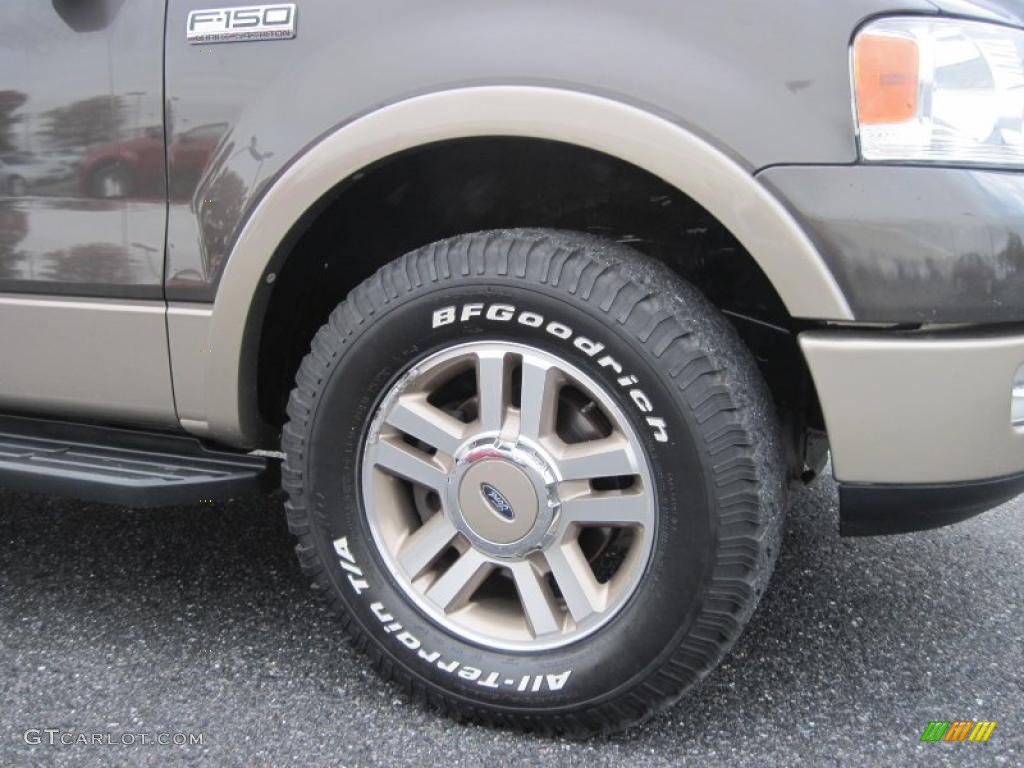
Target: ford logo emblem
498,502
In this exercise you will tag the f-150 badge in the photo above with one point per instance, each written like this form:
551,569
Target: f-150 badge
253,22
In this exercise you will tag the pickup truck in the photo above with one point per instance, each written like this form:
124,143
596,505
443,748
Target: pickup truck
538,312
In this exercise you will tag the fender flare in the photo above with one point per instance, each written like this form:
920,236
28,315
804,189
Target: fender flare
698,169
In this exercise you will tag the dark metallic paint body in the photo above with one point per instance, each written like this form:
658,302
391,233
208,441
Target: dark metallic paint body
767,87
74,80
768,92
915,245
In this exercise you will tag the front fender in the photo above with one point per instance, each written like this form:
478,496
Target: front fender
714,180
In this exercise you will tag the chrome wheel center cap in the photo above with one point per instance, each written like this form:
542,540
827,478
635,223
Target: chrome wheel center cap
498,500
502,497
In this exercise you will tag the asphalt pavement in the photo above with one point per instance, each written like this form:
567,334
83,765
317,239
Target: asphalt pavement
195,621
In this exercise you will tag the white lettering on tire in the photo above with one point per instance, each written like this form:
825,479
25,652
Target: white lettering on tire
505,313
409,641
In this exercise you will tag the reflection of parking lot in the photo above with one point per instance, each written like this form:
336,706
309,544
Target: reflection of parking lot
129,168
197,619
56,188
22,173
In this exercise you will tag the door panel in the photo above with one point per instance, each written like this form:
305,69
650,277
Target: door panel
83,210
82,174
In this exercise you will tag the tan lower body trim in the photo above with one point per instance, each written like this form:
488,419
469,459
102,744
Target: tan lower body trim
188,327
86,359
925,409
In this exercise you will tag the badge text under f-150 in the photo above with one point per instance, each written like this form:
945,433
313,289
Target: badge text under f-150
537,312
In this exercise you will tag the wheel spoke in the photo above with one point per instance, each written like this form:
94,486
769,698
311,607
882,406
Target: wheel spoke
425,545
581,590
451,591
416,417
614,508
539,399
607,457
492,389
542,612
404,463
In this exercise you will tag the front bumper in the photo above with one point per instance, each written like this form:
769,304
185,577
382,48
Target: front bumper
914,244
911,415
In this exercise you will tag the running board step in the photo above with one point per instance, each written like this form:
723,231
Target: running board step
123,466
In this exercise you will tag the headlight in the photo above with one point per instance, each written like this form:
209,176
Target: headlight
940,90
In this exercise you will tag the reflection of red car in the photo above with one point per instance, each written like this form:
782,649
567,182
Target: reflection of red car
135,168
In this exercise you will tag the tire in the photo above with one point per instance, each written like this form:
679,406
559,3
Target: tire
669,377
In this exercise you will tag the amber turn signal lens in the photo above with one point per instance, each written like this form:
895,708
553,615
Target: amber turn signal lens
886,78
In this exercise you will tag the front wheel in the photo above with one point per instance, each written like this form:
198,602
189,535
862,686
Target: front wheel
538,477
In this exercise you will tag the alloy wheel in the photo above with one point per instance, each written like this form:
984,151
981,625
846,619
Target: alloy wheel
508,495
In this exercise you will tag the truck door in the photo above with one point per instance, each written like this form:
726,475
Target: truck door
83,210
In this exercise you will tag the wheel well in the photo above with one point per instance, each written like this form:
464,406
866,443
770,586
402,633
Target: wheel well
466,185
